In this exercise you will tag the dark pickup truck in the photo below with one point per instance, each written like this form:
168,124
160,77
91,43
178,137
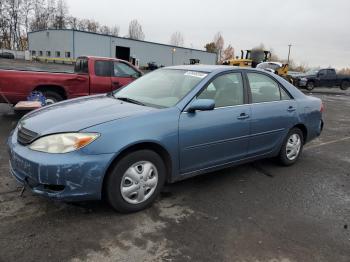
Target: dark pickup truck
322,78
92,75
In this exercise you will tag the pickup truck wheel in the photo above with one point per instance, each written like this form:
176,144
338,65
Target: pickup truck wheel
345,85
292,147
310,85
52,97
135,181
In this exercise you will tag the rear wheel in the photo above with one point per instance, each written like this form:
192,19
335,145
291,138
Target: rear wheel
52,97
310,85
292,147
135,181
345,85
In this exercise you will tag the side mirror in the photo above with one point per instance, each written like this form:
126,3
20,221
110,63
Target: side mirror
201,105
136,75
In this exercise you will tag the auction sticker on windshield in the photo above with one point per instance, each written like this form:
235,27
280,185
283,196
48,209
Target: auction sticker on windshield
196,74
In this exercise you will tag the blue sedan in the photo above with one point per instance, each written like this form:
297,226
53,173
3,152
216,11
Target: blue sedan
168,125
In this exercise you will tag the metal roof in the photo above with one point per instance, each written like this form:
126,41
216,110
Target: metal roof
124,38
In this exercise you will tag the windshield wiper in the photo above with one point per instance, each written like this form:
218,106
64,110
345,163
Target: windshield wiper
130,100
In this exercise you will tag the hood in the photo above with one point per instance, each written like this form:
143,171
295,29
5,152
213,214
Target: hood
77,114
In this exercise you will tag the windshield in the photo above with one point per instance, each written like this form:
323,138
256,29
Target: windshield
161,88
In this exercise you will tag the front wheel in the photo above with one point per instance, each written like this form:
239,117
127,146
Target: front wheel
135,181
310,85
292,147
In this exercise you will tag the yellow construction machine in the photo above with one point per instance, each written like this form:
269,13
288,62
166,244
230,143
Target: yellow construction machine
249,58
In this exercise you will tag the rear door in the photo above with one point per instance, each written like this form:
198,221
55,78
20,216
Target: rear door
123,74
100,78
273,113
331,78
322,77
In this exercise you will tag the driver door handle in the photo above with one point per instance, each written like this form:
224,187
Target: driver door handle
243,116
291,109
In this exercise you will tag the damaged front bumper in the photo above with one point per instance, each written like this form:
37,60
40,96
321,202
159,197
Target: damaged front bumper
72,176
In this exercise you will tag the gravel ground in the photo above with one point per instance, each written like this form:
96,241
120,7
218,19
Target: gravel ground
254,212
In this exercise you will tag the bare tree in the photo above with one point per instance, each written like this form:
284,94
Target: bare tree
26,12
18,17
229,52
41,16
92,25
105,30
72,22
115,30
61,15
177,39
135,30
210,47
219,44
14,23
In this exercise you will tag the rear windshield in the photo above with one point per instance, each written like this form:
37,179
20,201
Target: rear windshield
81,66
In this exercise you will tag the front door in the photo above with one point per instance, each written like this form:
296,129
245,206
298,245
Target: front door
273,114
219,136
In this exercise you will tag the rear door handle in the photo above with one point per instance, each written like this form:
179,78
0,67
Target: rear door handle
291,109
243,116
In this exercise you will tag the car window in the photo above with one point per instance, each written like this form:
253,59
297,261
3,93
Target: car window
103,68
263,88
284,94
322,72
81,66
330,72
226,90
123,70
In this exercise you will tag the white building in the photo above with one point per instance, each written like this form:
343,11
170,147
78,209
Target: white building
68,43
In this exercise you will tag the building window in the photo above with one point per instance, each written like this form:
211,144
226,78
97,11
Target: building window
58,54
67,54
33,53
48,53
40,53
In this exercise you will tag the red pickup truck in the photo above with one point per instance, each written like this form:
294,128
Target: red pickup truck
92,75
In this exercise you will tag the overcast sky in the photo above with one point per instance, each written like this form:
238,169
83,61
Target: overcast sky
317,29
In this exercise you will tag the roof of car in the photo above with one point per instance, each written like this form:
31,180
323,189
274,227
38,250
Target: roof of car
210,68
199,67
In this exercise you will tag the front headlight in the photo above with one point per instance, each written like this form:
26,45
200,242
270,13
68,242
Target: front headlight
304,79
63,143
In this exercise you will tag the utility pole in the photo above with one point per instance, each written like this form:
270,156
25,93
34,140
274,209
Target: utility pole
289,52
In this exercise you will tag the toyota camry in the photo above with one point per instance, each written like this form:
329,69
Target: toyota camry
171,124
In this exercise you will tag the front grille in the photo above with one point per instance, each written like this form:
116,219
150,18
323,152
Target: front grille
25,136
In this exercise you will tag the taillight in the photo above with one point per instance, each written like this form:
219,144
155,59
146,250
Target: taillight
322,107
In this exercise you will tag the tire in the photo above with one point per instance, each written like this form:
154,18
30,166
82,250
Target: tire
52,97
286,158
310,85
345,85
124,191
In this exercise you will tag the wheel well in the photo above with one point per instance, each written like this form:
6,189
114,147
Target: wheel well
58,89
163,153
303,129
